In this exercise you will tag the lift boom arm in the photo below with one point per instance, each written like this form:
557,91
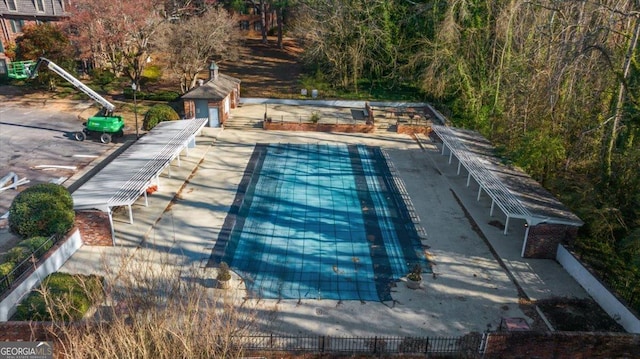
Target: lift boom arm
74,81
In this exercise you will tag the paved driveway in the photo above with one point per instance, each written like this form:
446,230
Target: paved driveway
33,138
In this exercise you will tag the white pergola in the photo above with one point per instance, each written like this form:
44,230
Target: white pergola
126,178
483,172
487,181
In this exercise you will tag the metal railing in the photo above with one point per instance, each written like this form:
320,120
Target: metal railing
469,345
25,266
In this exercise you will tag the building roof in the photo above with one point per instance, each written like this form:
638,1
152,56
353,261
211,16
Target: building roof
27,8
214,89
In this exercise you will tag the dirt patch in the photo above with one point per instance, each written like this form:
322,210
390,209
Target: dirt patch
265,70
578,315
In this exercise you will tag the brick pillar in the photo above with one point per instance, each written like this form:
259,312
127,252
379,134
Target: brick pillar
94,227
189,109
543,239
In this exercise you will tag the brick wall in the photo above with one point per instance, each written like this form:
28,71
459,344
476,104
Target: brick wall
563,345
411,129
189,108
317,127
94,227
543,239
24,331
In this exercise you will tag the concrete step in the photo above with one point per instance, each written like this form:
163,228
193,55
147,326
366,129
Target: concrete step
239,123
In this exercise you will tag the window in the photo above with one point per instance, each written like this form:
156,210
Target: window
1,47
257,26
11,4
244,25
16,25
39,5
3,67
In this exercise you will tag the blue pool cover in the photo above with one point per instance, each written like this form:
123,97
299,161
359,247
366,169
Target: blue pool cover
321,221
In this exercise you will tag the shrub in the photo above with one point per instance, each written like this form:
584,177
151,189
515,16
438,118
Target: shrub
61,296
224,273
151,74
416,273
162,95
102,77
34,243
55,189
157,114
41,210
17,254
6,268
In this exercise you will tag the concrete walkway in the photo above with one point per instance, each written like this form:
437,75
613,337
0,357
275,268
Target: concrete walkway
469,291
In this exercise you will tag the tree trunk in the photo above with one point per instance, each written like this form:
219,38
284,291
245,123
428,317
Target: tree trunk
620,100
263,20
279,20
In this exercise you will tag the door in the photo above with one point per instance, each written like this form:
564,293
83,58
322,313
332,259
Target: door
214,121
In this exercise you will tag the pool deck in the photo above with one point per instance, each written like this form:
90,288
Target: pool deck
469,291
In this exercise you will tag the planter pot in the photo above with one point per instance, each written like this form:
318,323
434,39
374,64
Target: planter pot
224,284
413,284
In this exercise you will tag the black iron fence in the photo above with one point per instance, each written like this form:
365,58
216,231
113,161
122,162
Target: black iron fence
26,265
469,345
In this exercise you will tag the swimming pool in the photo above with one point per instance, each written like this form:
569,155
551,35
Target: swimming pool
321,221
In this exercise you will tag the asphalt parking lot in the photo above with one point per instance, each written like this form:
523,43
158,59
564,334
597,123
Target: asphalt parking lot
36,144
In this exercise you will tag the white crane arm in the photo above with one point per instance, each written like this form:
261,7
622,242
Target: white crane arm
74,81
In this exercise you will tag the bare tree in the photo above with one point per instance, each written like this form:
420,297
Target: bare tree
344,37
117,32
156,309
191,43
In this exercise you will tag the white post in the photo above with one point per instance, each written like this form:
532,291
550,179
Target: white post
492,206
506,225
113,231
526,238
130,214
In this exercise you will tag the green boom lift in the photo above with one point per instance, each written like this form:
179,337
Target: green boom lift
105,123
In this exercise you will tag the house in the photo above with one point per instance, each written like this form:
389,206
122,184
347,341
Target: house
214,98
250,18
15,14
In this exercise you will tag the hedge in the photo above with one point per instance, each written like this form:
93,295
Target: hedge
159,113
162,95
41,210
70,297
22,251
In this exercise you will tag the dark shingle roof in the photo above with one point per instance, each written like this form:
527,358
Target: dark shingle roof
213,89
